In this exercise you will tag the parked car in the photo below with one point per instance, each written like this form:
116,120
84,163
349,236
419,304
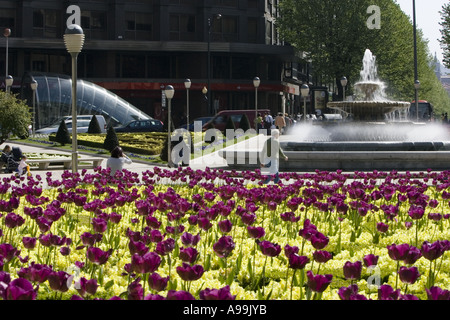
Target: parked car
202,120
219,121
82,124
149,125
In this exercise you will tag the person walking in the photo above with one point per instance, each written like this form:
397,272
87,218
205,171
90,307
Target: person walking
259,123
268,122
270,157
280,122
117,160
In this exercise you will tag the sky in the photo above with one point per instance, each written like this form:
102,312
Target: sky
427,19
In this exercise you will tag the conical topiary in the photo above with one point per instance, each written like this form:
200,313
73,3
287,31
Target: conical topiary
230,124
62,135
244,124
111,140
94,126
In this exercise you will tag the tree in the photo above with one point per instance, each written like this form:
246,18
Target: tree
111,140
445,32
62,135
94,126
15,117
332,34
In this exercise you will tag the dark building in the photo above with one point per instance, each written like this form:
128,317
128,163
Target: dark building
135,48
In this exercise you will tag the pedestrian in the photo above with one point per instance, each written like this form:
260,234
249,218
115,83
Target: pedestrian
280,122
270,157
23,167
117,160
259,123
268,123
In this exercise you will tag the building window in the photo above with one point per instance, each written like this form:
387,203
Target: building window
139,26
182,27
133,66
94,24
243,67
47,23
7,19
226,29
252,4
252,30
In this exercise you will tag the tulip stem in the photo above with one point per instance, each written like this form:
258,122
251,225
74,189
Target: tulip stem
292,282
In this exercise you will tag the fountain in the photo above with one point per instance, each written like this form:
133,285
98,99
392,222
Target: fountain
375,134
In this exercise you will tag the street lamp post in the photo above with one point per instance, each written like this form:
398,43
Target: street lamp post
74,41
7,33
344,84
416,89
256,83
187,85
34,86
9,82
169,91
210,23
305,92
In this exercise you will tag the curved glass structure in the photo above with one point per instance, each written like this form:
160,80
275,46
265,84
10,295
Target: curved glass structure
53,100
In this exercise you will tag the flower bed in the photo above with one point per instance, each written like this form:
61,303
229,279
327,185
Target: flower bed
218,234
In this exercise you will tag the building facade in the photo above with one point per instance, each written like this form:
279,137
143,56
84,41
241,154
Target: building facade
135,48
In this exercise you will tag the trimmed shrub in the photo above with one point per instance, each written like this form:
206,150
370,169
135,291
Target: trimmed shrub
244,124
94,126
62,135
111,140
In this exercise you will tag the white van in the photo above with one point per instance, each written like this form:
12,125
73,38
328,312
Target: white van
82,124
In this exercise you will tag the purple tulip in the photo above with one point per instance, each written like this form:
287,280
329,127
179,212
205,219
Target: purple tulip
86,286
308,230
386,292
350,293
412,256
225,226
59,280
408,297
370,260
89,239
436,293
204,223
382,227
352,271
165,247
20,289
147,263
435,216
224,246
269,249
65,251
319,240
288,250
8,252
157,283
318,283
408,275
13,220
115,217
99,225
432,251
29,242
256,232
156,236
321,256
188,255
97,255
135,290
398,252
416,212
217,294
179,295
190,240
248,218
190,273
297,262
138,247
